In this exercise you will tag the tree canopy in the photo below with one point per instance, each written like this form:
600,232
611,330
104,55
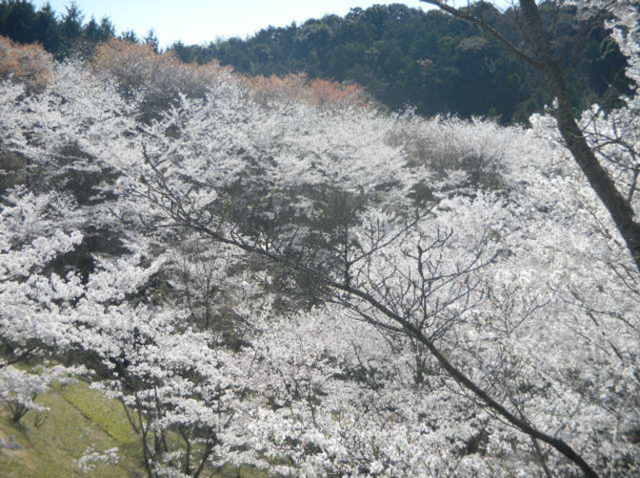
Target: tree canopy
277,273
402,56
430,60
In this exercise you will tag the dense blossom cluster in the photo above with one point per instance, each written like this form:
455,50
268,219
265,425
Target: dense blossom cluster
320,289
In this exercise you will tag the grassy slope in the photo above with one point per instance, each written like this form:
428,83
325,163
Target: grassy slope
78,418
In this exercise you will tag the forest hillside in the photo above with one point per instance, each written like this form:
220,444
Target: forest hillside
279,275
402,56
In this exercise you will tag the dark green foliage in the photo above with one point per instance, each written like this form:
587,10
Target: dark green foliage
46,29
129,36
429,60
63,36
152,40
403,56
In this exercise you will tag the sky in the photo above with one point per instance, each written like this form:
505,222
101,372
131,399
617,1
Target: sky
202,21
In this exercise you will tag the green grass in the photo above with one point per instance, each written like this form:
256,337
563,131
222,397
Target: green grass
78,418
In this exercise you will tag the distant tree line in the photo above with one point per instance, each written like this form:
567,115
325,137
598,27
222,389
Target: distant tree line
431,60
403,56
63,35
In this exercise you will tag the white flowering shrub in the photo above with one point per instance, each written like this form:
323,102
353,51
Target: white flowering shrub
323,291
92,458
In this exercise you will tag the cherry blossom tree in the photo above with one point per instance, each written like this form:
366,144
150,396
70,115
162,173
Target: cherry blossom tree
540,55
327,289
142,351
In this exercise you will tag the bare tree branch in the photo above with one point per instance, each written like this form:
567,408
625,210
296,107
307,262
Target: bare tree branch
465,15
599,179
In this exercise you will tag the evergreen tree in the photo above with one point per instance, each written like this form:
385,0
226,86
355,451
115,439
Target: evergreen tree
17,20
129,36
47,29
71,30
152,40
107,30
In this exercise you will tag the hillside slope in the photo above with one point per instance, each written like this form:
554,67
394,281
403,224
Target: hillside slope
49,445
78,418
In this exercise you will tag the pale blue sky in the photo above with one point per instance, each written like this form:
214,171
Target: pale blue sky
198,21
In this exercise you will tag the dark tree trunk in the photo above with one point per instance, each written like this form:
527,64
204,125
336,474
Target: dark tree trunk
541,56
619,208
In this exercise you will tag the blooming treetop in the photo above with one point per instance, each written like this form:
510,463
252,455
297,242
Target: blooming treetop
325,290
